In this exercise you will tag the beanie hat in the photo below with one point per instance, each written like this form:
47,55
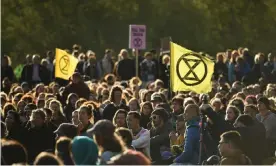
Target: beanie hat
162,113
84,150
265,101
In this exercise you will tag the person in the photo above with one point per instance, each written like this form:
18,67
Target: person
92,69
245,125
164,70
109,143
146,110
119,119
13,152
220,68
130,157
75,118
230,149
232,114
148,68
159,134
39,137
14,127
269,65
177,107
133,105
141,136
115,98
66,129
241,68
126,136
84,151
58,116
45,158
35,73
85,116
124,64
177,138
190,154
70,105
50,65
62,150
231,67
6,69
268,118
76,86
155,99
106,63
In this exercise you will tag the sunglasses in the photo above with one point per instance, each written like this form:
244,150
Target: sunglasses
154,117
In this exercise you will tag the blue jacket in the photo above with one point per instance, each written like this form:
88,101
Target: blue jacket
191,147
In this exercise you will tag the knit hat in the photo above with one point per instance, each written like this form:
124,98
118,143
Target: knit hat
265,101
105,127
161,112
84,151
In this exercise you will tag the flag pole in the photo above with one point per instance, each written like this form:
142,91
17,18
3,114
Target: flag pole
137,63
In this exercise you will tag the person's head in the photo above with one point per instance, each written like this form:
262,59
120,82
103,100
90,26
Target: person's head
13,152
148,56
62,147
234,56
119,119
251,110
130,157
66,129
115,94
56,107
72,99
85,114
232,113
133,120
16,98
239,103
191,111
50,55
36,59
12,119
133,104
177,104
104,135
44,62
259,58
188,101
45,158
124,53
110,79
228,54
28,59
159,117
229,143
125,134
25,87
75,117
28,109
263,104
37,118
4,61
76,78
49,113
104,95
80,102
180,123
270,57
244,121
84,151
216,104
146,108
156,99
220,57
251,99
7,108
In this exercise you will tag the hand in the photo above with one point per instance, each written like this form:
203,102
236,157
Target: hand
173,136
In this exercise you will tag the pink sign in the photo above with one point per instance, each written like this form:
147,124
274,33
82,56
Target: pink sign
137,37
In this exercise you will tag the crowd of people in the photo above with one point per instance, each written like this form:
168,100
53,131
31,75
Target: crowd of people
105,114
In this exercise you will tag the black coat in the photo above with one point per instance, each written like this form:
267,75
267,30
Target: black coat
81,89
68,109
110,110
220,69
7,71
27,74
253,141
126,69
38,140
17,133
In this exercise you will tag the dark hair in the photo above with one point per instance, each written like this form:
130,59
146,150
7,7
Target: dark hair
145,103
87,109
135,114
119,111
63,147
130,157
7,108
45,158
47,111
246,120
16,117
253,107
13,152
232,137
126,135
69,97
150,92
112,91
40,112
111,143
238,103
178,99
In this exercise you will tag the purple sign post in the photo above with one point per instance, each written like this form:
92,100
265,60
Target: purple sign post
137,40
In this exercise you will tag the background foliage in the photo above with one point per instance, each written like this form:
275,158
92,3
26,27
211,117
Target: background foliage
202,25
